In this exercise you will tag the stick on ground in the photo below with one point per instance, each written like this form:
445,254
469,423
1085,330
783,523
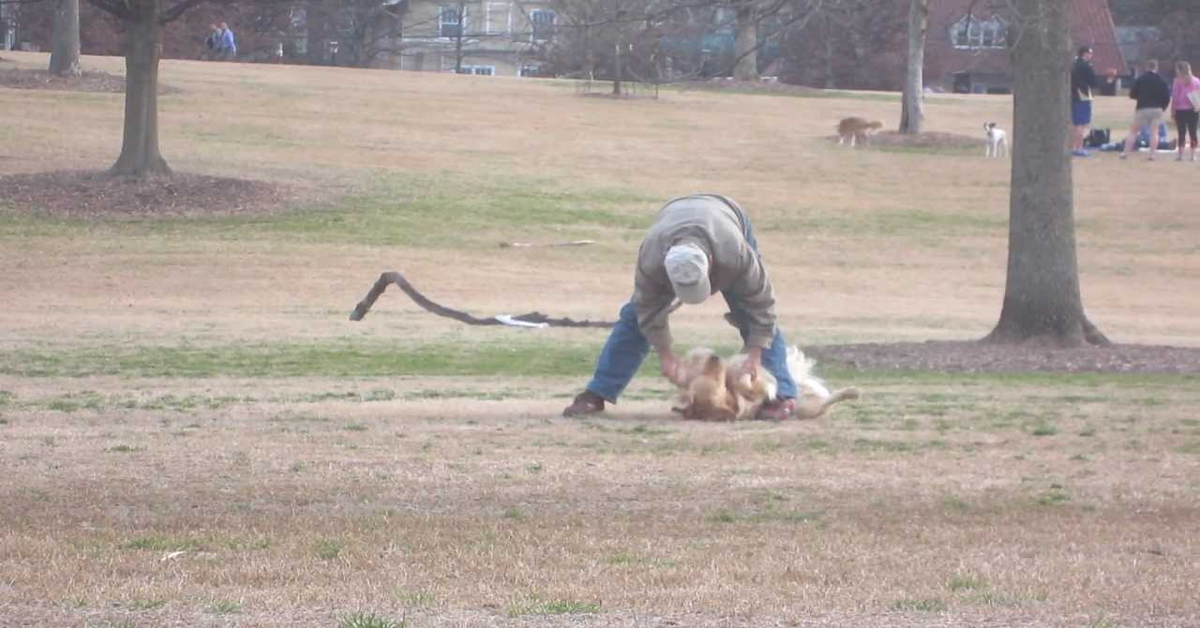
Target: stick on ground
397,278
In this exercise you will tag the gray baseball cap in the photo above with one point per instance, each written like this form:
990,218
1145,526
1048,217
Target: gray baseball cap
687,268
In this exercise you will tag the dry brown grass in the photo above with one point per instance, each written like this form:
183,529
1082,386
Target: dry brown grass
936,501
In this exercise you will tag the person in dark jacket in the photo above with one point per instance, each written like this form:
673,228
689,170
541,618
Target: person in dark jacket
1083,85
1153,96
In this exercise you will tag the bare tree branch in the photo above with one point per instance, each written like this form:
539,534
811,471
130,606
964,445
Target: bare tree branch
173,13
117,8
397,278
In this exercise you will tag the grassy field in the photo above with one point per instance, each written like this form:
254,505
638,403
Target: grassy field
193,434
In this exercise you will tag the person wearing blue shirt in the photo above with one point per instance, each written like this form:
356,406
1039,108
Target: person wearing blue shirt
227,46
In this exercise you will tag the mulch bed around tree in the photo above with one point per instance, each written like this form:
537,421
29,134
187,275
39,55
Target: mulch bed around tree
976,357
82,194
87,82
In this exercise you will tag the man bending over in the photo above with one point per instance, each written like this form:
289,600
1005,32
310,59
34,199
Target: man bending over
699,245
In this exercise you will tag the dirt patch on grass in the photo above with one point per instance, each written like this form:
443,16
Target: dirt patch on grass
86,82
83,194
977,357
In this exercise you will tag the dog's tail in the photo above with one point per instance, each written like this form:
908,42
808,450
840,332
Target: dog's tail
799,365
815,409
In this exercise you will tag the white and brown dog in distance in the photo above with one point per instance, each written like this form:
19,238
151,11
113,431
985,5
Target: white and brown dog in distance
716,389
997,140
857,129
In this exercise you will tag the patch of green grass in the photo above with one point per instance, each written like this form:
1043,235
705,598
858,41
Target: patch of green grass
6,398
356,427
956,504
123,449
722,516
513,514
1191,448
880,378
967,583
421,599
878,445
329,549
368,620
515,356
1044,429
146,605
646,430
1055,496
627,558
767,515
930,605
87,399
553,607
157,543
1103,622
995,599
225,607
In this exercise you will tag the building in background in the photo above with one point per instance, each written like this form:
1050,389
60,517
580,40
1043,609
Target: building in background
967,43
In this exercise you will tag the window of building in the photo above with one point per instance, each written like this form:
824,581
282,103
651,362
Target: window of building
530,71
450,23
542,21
498,17
478,70
974,32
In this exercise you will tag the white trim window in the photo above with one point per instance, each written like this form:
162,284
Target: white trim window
478,70
541,22
497,17
973,32
450,23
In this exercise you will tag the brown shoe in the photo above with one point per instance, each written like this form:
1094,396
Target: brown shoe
777,410
586,403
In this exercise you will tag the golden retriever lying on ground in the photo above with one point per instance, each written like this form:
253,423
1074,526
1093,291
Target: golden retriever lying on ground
713,389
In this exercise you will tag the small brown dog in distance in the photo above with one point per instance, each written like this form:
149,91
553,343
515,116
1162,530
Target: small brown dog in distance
857,129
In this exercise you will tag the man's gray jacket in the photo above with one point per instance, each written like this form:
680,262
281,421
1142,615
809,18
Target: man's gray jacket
719,227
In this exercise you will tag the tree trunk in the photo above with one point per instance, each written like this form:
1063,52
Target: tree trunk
589,55
1042,302
912,112
745,65
140,155
64,55
828,54
458,41
618,70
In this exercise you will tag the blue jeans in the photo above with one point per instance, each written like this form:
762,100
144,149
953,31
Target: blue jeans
626,348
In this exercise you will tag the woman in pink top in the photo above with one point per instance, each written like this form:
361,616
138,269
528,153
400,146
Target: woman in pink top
1186,115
